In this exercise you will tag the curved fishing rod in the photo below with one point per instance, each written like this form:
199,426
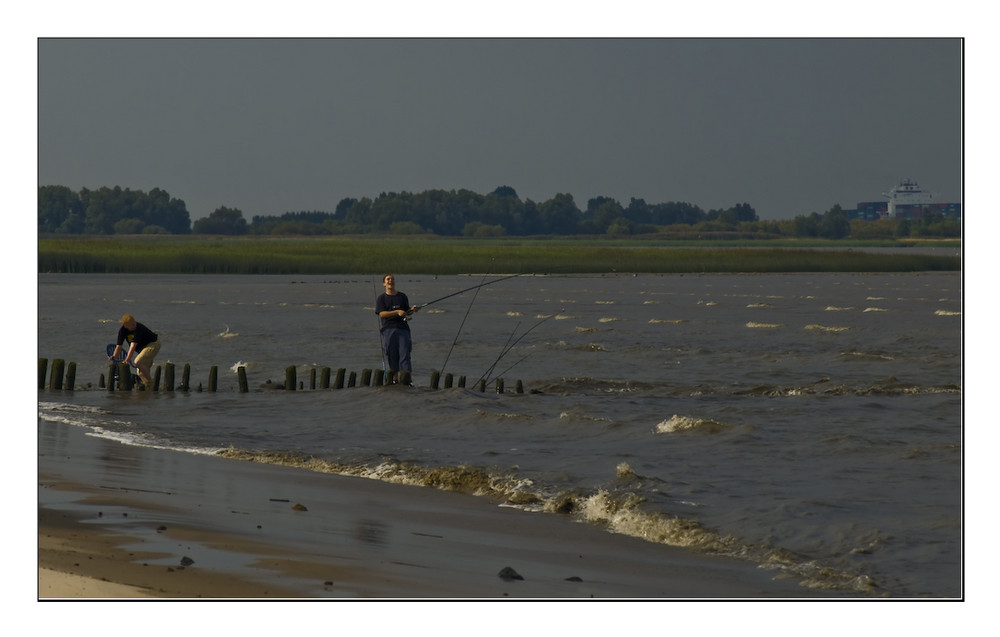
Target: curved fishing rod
461,325
500,375
474,287
507,349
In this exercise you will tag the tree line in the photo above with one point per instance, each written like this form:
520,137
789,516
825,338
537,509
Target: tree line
110,211
456,213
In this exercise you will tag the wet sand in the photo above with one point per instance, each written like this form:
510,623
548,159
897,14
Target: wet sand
118,521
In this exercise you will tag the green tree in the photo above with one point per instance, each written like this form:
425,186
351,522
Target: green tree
223,220
807,226
167,212
59,210
129,226
620,226
835,224
601,213
559,215
638,211
405,227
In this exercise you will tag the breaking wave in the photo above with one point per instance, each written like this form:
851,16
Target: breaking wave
618,511
684,423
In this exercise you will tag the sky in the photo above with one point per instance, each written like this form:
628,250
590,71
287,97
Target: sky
273,125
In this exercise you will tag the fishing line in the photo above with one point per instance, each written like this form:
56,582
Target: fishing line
455,340
378,322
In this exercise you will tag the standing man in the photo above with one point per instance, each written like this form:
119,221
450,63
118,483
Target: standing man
143,342
393,307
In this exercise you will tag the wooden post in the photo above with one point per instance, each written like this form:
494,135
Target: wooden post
241,375
352,380
43,366
186,377
366,377
520,387
290,378
339,383
499,385
324,378
71,376
156,378
405,378
312,378
168,377
481,385
448,380
213,378
100,382
461,382
435,378
56,379
124,377
112,374
379,378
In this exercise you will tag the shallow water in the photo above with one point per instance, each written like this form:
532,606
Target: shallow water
810,423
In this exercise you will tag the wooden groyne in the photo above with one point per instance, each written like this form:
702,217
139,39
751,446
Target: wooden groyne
62,376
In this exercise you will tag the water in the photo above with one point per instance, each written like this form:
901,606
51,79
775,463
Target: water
809,423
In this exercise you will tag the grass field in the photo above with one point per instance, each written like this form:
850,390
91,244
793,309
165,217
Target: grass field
426,255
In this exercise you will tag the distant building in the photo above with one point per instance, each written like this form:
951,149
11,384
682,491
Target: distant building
906,201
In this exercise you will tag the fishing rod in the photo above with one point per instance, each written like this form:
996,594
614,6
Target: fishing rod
474,287
500,375
455,340
507,348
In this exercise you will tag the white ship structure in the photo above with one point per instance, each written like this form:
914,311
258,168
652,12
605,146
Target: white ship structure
906,201
906,197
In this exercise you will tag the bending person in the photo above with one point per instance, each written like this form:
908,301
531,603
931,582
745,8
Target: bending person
143,343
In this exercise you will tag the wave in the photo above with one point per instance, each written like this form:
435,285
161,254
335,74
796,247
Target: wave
866,356
617,510
568,386
826,328
823,386
684,423
98,424
888,387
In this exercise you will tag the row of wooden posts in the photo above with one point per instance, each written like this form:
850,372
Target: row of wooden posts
63,376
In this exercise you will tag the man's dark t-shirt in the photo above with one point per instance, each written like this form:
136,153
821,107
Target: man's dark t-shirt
397,301
142,336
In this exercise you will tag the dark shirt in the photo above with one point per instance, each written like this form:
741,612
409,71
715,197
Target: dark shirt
142,336
397,301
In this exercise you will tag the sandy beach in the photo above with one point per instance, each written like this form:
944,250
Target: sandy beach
120,521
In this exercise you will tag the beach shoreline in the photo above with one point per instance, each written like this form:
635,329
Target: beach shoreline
179,525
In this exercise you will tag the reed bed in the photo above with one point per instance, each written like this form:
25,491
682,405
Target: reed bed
364,255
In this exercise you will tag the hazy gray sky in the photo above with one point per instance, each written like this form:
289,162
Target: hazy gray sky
790,126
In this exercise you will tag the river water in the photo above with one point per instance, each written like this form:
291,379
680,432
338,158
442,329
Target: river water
809,423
